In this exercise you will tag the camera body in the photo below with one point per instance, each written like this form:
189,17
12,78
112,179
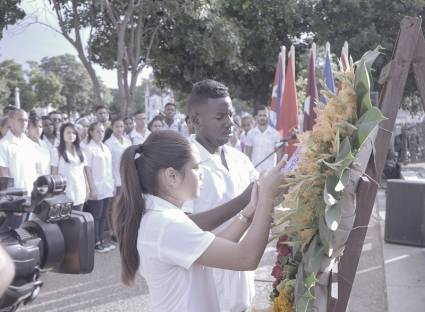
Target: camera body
54,238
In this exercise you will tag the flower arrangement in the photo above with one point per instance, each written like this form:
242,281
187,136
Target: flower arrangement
317,215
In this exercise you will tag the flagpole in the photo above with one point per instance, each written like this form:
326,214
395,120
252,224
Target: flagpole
292,54
283,59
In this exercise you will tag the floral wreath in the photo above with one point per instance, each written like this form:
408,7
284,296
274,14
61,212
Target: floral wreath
315,219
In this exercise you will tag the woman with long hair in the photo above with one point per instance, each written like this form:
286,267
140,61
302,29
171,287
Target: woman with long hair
167,247
101,182
68,160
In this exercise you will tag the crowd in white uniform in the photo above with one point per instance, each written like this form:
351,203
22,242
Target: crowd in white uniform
87,153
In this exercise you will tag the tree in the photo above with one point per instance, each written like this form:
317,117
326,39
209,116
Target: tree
75,17
12,77
76,84
47,87
124,39
10,13
236,42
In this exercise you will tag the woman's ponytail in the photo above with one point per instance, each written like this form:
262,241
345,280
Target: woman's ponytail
127,214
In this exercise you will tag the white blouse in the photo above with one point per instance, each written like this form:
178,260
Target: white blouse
117,149
99,159
73,172
169,243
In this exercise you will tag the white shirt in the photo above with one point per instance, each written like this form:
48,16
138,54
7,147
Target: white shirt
169,243
235,290
138,138
263,143
49,144
73,172
17,154
99,159
117,149
174,126
42,156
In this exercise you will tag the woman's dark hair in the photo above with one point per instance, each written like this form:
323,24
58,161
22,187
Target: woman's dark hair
91,128
156,118
76,143
140,165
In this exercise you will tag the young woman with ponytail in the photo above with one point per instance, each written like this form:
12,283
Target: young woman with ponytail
167,247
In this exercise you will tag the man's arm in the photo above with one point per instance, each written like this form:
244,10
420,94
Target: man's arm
211,219
248,151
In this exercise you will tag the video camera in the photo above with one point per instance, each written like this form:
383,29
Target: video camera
55,238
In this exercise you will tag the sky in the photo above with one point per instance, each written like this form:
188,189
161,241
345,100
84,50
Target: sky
30,41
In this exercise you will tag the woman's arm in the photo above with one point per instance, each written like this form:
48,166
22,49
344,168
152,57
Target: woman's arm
90,182
211,219
246,254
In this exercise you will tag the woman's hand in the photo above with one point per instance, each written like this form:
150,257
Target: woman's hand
93,195
270,184
249,209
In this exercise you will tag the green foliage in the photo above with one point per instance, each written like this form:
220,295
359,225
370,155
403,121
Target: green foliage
12,76
236,42
10,13
77,89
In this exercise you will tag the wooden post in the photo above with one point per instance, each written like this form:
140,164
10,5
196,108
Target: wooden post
408,49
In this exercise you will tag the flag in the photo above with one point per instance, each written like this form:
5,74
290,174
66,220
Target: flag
287,121
327,71
311,100
278,84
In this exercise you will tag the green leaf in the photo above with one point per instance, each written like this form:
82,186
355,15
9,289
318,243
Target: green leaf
343,180
362,88
333,216
330,197
303,304
327,238
367,123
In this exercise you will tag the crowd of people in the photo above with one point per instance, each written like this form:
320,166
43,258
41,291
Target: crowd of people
230,152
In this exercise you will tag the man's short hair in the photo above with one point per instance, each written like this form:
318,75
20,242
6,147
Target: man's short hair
8,108
140,111
13,112
55,112
99,107
170,103
128,117
204,90
260,108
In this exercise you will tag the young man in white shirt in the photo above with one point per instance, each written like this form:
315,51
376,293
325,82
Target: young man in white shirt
262,142
226,173
140,132
17,155
170,123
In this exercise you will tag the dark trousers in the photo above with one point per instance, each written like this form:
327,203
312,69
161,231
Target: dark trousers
98,209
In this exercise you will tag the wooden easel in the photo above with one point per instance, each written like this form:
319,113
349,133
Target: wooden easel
409,51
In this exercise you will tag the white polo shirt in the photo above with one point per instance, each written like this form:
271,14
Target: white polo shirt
169,243
42,156
138,138
175,126
263,143
73,172
235,290
99,159
117,149
17,154
49,144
